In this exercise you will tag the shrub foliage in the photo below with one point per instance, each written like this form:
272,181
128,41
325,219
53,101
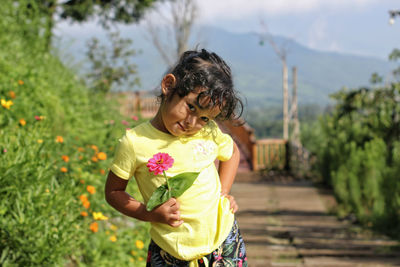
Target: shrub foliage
56,141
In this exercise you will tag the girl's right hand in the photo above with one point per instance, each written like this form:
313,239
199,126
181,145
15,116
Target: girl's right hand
168,213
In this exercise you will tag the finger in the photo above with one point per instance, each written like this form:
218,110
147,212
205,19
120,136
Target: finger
176,215
176,223
235,208
171,201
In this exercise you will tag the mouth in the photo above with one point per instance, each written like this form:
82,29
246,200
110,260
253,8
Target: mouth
181,127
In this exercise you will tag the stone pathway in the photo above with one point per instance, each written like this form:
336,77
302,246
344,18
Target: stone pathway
287,224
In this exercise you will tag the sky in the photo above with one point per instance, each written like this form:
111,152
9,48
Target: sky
349,26
358,27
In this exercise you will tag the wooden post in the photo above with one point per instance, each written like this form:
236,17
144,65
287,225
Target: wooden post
255,157
285,100
296,123
137,106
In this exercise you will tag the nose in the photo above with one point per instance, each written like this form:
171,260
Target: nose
190,121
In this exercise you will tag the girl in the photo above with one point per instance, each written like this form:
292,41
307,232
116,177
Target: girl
198,228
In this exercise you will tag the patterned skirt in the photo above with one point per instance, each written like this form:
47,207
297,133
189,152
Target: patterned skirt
232,252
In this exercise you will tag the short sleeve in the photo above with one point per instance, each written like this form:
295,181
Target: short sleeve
124,161
225,144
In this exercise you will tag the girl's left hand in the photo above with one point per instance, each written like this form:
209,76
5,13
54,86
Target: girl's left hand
234,207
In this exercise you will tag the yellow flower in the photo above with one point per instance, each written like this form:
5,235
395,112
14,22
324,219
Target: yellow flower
139,244
47,190
6,104
63,169
113,227
113,238
140,259
59,139
99,216
133,252
22,122
40,141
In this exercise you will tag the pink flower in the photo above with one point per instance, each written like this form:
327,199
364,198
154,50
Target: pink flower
160,162
135,118
124,122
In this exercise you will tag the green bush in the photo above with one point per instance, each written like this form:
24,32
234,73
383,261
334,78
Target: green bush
56,142
359,155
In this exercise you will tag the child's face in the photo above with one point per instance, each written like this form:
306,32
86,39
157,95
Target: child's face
182,115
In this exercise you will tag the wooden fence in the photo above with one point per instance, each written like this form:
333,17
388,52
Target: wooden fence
270,154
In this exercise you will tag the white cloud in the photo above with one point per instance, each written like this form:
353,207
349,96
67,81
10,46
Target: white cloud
317,33
319,38
236,9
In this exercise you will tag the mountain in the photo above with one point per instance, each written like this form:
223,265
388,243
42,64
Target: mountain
256,68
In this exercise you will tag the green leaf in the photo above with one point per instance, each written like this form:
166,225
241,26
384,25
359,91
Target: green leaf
181,182
159,196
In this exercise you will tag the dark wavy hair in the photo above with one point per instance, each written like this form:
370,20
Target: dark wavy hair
203,69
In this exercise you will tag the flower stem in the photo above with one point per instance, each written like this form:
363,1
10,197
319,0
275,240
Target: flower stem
166,179
168,188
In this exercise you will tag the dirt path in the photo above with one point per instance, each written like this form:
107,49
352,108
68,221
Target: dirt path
287,224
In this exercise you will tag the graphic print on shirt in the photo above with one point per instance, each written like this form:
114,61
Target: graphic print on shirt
203,149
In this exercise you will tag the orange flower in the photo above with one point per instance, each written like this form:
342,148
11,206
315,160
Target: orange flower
81,149
80,157
85,201
94,227
102,172
63,169
86,204
102,156
22,122
20,82
94,159
91,189
12,94
83,198
59,139
84,214
82,181
65,158
95,148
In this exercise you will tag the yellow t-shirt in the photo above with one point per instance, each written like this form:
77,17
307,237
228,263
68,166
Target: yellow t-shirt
207,219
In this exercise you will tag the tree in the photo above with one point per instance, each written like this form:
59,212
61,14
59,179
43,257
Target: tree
281,52
110,64
177,18
107,12
394,56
